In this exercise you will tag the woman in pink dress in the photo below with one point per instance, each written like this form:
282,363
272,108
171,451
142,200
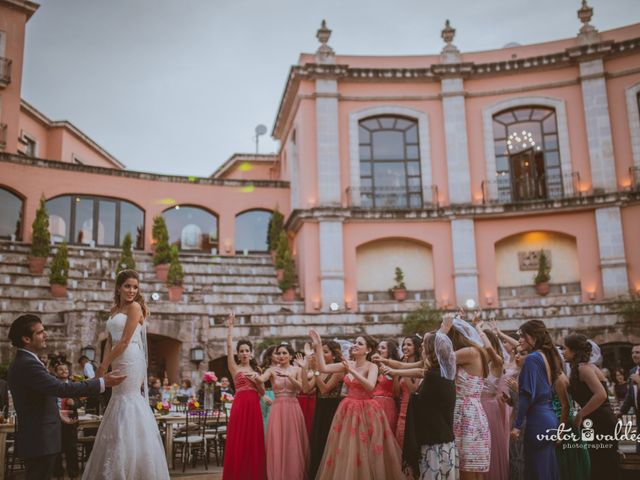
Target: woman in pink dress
287,438
495,408
411,353
307,396
387,386
360,445
245,450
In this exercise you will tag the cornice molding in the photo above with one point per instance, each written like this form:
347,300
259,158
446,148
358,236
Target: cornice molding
24,6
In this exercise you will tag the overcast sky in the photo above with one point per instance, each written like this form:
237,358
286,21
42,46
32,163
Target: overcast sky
178,86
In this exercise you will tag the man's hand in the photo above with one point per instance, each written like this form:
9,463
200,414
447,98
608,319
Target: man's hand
65,417
112,379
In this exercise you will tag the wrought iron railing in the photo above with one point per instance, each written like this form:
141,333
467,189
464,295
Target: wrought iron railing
504,189
634,175
392,198
5,71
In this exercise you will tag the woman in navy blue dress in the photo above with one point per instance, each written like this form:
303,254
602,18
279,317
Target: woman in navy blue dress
535,382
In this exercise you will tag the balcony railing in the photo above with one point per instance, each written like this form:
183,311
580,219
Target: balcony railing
393,198
5,72
3,136
504,189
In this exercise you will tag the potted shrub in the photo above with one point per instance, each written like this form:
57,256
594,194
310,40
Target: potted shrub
282,249
175,276
288,281
162,254
399,290
542,277
40,240
59,272
276,225
126,261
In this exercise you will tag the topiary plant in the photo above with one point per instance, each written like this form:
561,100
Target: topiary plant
276,225
176,274
399,279
282,249
126,258
160,234
40,237
60,266
543,269
289,277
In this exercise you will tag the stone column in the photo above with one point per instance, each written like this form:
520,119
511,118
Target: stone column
612,257
327,143
465,267
331,263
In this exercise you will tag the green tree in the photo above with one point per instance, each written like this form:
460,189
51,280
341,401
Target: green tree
176,274
289,277
41,238
421,320
60,266
543,269
282,249
161,236
276,225
126,261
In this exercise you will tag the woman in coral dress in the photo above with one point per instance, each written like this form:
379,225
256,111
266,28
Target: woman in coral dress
245,450
386,387
411,353
287,438
361,445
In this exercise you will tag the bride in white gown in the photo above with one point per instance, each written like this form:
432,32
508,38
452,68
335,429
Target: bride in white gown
128,444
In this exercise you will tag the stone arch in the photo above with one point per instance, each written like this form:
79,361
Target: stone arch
376,261
563,135
423,137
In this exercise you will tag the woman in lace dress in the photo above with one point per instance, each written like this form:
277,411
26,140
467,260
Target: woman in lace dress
128,444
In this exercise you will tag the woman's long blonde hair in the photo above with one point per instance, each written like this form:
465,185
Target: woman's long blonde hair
122,277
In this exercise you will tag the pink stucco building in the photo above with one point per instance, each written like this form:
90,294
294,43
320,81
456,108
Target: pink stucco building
457,167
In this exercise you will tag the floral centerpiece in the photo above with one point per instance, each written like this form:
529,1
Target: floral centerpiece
163,407
209,380
226,397
193,404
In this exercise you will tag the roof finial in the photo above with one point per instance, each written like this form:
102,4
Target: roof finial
325,53
588,33
450,53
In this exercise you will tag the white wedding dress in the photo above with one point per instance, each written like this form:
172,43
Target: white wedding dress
128,445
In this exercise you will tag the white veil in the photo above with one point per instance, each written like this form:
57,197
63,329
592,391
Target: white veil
446,356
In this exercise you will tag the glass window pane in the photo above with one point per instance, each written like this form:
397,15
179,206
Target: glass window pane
505,117
389,175
251,231
59,210
499,130
501,147
415,200
366,183
522,114
413,183
540,113
502,163
411,134
365,153
84,220
403,124
387,122
371,124
106,223
388,145
132,221
413,168
192,228
364,135
552,159
549,124
412,152
551,142
365,169
10,215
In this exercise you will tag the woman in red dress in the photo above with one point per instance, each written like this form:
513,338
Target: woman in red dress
245,455
412,351
386,389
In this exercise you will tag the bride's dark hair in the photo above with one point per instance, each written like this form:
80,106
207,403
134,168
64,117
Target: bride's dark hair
122,277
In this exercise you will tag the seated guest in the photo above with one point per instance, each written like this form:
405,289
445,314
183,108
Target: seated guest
185,392
620,386
155,390
69,431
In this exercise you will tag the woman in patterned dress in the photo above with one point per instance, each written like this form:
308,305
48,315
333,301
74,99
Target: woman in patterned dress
387,385
470,425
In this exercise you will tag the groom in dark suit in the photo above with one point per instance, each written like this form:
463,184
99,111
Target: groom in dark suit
35,392
631,399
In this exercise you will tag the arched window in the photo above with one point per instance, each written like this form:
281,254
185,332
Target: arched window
192,228
389,163
251,231
527,154
10,215
90,220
